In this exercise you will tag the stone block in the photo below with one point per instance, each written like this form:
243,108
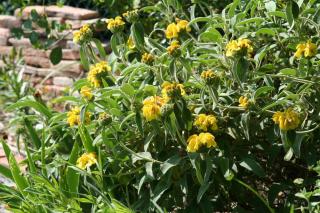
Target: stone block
9,21
73,13
62,81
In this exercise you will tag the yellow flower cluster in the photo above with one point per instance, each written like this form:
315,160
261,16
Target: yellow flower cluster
116,24
97,72
131,16
174,29
235,46
170,90
74,116
287,120
308,49
209,74
195,142
151,109
174,46
86,92
86,160
243,102
147,58
206,122
130,43
82,35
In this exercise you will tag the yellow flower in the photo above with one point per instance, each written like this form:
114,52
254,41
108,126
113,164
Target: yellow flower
130,43
287,120
174,46
86,160
116,24
235,46
209,74
86,92
193,143
147,58
183,25
82,35
74,116
203,139
205,122
170,90
97,72
151,107
310,49
172,31
207,139
243,102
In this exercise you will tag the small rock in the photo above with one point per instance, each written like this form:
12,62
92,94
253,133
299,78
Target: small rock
71,12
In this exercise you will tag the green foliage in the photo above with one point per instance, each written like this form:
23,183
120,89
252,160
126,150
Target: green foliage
140,153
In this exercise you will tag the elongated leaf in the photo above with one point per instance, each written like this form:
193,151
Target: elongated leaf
100,48
33,134
84,58
253,166
19,179
262,90
168,164
114,45
86,138
32,104
72,175
138,35
5,171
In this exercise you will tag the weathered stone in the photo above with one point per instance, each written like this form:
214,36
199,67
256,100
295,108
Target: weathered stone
4,36
62,81
69,66
2,64
5,50
71,12
23,42
25,12
37,61
68,54
9,21
34,52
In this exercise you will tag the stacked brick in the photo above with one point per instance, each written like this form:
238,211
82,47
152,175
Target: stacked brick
50,79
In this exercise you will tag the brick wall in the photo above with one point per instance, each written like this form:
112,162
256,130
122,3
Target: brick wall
48,78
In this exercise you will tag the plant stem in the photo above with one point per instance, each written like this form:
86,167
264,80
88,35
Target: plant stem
256,193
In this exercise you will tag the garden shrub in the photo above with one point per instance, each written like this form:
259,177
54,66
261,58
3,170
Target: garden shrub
209,112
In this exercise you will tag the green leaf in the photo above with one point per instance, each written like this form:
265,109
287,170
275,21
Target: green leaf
114,44
262,90
128,89
86,138
203,188
33,134
256,20
292,11
32,167
240,69
72,175
33,104
168,164
56,55
100,48
266,31
34,38
224,167
271,6
84,58
20,181
253,166
211,35
288,71
138,35
5,172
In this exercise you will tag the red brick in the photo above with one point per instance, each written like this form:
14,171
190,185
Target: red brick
37,61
